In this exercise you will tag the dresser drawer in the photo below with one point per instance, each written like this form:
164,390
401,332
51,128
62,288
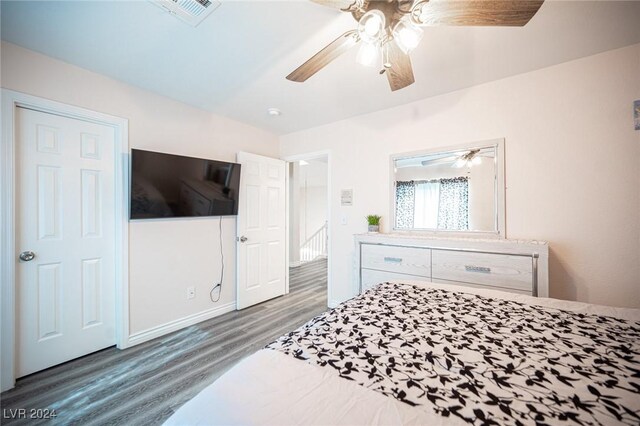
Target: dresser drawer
372,277
403,260
495,270
193,203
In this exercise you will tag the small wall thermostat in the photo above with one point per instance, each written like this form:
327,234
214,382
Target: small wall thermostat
346,197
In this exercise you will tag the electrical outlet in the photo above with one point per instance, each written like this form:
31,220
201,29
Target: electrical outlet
191,292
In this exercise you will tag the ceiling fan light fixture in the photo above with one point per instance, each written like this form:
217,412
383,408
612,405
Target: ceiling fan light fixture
469,159
420,13
461,162
378,24
368,54
371,26
407,35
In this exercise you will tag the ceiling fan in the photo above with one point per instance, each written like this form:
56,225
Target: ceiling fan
391,29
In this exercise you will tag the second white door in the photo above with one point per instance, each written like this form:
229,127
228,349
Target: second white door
65,233
261,230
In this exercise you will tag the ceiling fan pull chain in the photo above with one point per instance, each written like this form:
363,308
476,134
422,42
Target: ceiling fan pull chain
385,54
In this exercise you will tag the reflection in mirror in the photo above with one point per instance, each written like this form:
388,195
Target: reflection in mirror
448,191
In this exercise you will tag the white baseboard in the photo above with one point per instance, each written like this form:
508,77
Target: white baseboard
161,330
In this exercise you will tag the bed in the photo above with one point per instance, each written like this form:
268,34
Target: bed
421,353
147,200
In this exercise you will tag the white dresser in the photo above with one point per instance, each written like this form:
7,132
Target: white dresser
508,265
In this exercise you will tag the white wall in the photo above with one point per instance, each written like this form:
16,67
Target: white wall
294,213
167,255
313,197
482,196
313,210
572,169
307,203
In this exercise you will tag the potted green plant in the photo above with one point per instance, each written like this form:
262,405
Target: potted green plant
374,222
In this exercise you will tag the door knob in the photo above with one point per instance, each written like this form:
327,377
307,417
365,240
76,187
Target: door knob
27,256
243,239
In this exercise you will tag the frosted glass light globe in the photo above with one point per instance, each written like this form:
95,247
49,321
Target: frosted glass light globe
371,26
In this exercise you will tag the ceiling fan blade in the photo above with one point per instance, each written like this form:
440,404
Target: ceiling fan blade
349,5
510,13
436,162
400,74
321,59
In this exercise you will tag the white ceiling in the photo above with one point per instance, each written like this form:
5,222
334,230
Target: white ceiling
235,62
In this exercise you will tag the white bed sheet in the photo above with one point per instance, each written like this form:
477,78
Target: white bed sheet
271,388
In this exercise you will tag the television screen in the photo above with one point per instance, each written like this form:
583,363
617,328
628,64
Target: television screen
165,185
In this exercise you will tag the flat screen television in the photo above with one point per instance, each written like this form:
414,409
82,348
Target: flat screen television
165,185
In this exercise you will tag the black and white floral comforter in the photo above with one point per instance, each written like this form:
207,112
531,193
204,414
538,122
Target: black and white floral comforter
480,359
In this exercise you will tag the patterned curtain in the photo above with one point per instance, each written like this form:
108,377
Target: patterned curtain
453,212
405,202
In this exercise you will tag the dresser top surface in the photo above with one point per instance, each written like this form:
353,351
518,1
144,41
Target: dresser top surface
505,246
430,237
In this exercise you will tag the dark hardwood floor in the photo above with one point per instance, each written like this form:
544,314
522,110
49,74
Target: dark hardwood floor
145,384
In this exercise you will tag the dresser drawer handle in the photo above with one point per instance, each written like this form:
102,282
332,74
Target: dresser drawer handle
393,259
472,268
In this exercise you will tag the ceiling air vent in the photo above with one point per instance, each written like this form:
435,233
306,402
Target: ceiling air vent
190,11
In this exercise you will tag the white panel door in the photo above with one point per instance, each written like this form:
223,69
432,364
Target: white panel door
261,230
65,239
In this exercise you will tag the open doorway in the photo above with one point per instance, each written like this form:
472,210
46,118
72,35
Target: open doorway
308,226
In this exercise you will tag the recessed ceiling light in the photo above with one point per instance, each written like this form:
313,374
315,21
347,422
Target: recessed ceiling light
274,112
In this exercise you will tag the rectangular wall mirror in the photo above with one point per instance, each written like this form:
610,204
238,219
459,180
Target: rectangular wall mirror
459,190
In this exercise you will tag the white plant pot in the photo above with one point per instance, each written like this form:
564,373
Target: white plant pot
374,229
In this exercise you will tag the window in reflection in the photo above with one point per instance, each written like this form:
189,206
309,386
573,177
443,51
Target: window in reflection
446,191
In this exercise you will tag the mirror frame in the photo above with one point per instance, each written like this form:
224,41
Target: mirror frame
499,191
